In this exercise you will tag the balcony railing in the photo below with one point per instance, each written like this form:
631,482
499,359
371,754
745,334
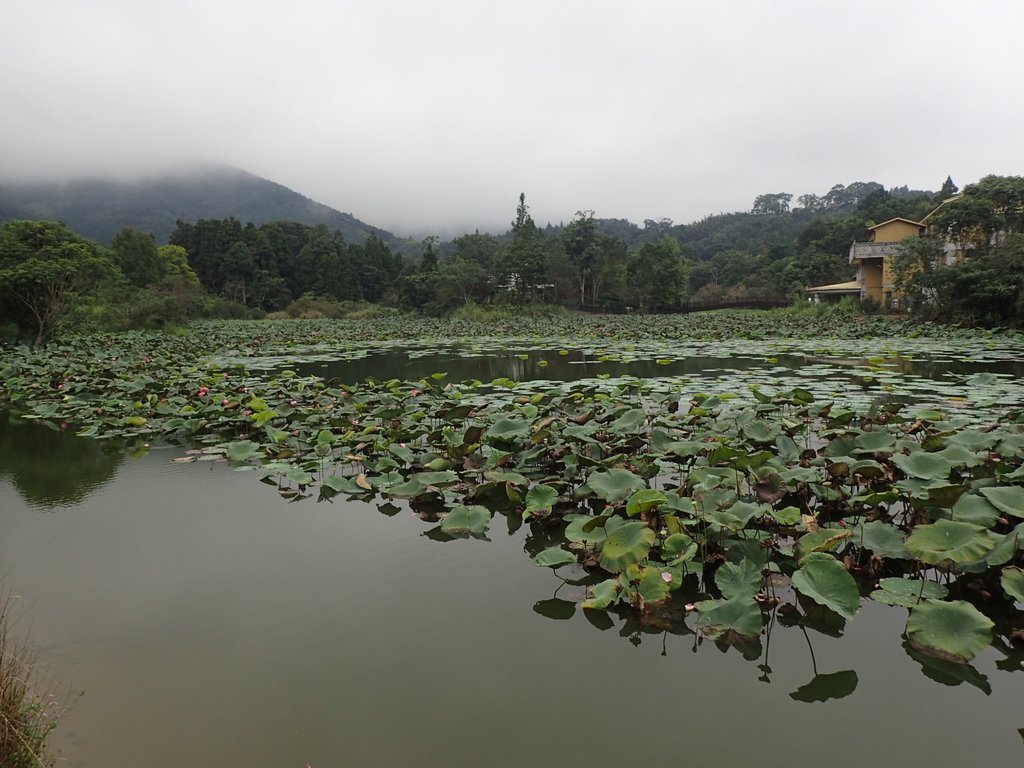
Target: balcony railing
872,250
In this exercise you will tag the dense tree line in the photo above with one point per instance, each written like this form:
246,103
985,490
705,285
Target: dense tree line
221,267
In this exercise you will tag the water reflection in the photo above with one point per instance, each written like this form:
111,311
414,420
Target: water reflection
52,468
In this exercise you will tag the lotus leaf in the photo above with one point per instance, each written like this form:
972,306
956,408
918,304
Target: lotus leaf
554,557
679,547
824,579
626,545
466,519
953,630
644,501
949,541
540,499
924,466
615,485
883,539
1013,583
742,579
821,540
740,615
1006,498
604,594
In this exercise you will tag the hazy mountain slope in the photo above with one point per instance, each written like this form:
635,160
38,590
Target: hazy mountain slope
98,209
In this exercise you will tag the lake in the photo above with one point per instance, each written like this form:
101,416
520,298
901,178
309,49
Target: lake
211,622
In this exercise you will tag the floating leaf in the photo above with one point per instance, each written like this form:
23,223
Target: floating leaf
740,615
883,539
466,519
953,630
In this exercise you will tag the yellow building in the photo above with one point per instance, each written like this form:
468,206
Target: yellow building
875,279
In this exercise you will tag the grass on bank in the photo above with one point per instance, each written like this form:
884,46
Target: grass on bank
28,712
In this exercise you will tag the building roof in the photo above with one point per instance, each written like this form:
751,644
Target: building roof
898,218
850,287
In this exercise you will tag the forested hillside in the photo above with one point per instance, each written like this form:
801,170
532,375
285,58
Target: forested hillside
52,277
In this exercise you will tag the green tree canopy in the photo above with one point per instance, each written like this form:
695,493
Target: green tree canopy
44,266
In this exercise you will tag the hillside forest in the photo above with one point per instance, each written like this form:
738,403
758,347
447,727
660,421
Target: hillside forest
52,278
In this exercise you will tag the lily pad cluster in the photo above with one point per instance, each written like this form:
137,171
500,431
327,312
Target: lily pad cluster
666,501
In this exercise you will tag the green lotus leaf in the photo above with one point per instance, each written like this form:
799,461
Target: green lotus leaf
1006,498
604,594
553,557
540,499
907,592
742,579
630,421
644,501
582,531
243,450
514,478
949,541
923,466
615,485
875,441
679,547
786,515
740,615
953,630
466,519
824,579
647,583
883,539
507,431
628,544
737,515
975,509
1013,583
821,540
445,477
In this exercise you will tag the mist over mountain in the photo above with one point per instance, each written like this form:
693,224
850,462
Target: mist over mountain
100,208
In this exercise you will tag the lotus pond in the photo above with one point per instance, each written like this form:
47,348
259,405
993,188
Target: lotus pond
601,539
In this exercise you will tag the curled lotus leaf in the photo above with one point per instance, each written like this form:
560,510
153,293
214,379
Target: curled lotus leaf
824,579
644,501
603,595
1012,581
679,547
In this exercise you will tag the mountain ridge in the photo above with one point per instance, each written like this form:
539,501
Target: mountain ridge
98,208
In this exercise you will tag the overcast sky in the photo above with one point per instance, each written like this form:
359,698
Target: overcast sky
433,116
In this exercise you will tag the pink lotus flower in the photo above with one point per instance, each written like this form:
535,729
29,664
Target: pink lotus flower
293,403
225,401
666,577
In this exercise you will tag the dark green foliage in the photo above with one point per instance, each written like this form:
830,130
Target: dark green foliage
659,276
136,254
44,267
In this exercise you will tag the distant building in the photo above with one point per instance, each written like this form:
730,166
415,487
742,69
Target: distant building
875,277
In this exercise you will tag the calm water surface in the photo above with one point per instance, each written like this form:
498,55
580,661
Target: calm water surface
210,623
